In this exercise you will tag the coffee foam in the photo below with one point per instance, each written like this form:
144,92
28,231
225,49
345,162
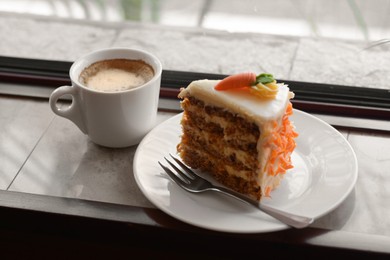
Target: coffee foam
116,75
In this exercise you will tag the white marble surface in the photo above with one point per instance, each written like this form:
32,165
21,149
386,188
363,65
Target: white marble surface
66,163
22,123
45,154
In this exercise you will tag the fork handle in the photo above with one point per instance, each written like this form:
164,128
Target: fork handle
290,219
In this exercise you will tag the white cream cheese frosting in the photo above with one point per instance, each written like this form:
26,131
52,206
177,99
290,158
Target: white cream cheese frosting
240,102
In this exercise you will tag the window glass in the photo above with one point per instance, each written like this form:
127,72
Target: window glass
346,19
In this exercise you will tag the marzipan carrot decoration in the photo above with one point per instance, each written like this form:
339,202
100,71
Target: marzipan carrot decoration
241,80
263,85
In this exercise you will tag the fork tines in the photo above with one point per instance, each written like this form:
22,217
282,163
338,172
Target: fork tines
182,176
187,170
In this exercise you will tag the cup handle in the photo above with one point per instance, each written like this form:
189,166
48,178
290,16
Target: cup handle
74,111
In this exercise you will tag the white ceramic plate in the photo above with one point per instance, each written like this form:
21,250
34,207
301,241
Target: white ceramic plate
324,173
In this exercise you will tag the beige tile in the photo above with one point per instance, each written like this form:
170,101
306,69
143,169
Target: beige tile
22,123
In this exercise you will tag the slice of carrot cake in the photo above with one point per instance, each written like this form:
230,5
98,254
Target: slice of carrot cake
238,130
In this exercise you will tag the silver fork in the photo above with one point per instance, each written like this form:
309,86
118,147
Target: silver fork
192,182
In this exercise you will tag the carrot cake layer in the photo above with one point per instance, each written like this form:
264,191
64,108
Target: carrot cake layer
244,141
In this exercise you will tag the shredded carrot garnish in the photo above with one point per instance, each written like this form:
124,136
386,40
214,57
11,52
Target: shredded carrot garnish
281,141
267,191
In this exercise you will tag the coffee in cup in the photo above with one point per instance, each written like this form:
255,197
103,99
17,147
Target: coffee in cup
114,94
116,75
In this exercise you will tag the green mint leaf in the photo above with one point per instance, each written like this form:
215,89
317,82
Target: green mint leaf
264,78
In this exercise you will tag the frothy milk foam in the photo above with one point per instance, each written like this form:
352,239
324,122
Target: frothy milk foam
116,75
115,80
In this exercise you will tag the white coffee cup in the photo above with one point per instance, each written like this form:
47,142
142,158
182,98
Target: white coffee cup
112,119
